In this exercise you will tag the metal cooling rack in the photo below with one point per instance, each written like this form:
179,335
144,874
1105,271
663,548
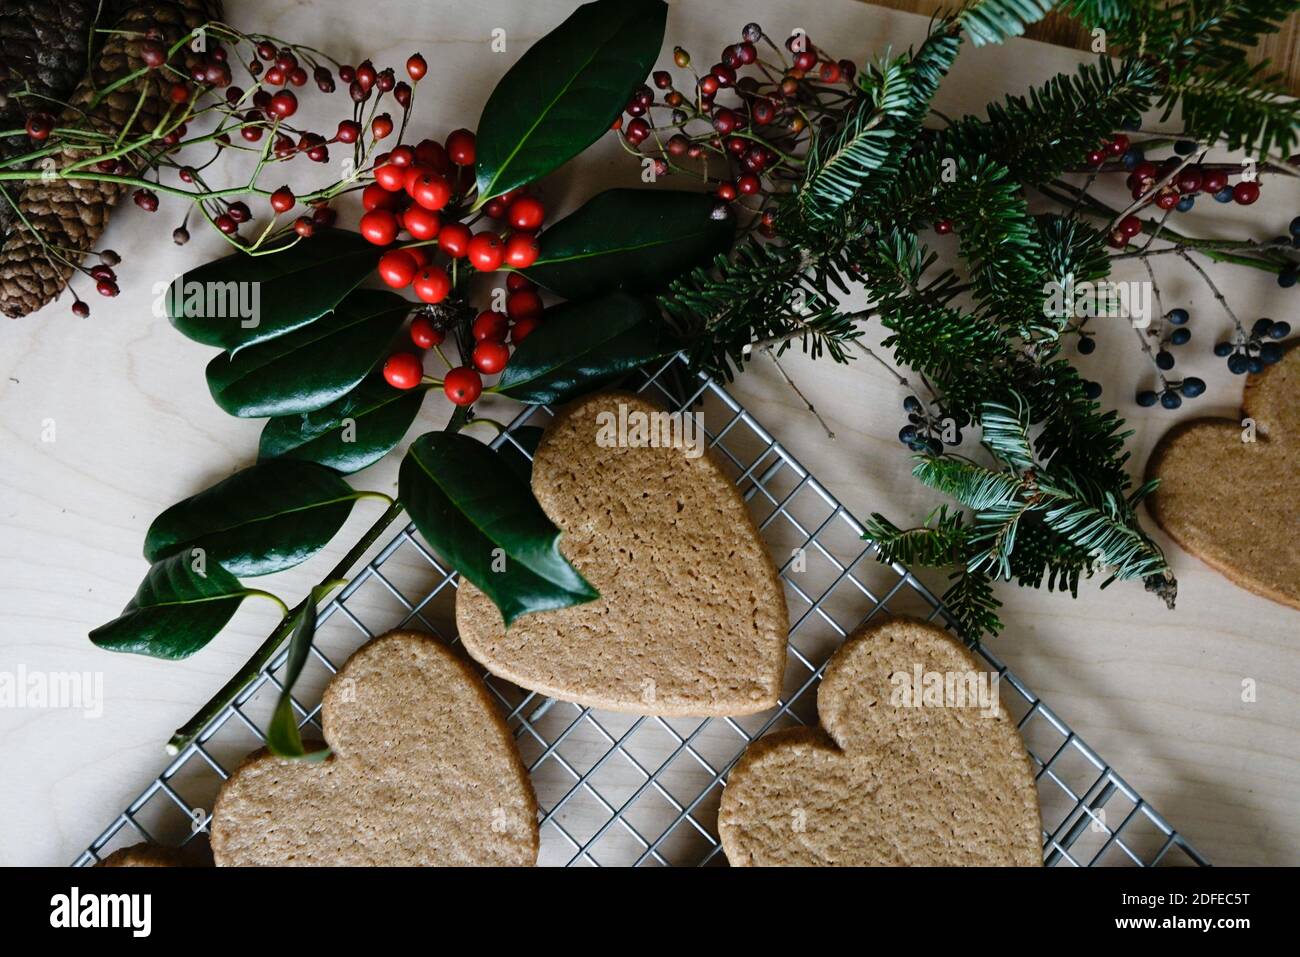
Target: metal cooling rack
618,789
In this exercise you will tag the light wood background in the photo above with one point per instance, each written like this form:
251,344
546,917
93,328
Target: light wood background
1158,693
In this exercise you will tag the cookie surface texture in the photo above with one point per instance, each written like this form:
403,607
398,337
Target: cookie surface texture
691,618
938,778
1228,488
423,772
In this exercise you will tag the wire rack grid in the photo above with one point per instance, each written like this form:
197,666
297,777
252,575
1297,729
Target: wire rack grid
620,789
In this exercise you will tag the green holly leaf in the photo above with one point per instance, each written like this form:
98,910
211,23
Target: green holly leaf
308,369
263,519
283,738
581,345
565,91
637,240
181,605
481,516
349,433
241,300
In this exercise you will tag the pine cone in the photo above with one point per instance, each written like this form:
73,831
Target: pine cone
42,56
71,214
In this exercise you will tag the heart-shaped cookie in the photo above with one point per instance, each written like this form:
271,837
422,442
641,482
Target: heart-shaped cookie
691,618
423,772
919,764
1228,488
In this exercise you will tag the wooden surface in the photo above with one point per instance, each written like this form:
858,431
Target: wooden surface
1157,693
1282,49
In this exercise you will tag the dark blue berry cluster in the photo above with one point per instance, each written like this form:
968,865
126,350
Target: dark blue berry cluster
1251,353
927,430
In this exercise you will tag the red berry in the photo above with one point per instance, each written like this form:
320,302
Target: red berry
297,76
521,251
39,126
727,192
81,309
431,155
146,200
463,385
379,226
282,199
397,268
226,224
485,252
461,147
1214,180
748,184
403,370
1095,157
240,212
943,227
636,131
1167,198
390,177
106,287
1189,179
1130,226
454,240
526,214
284,104
523,328
524,304
491,357
381,126
402,156
416,67
432,284
180,93
1245,192
421,223
431,191
1118,146
375,196
490,326
349,131
516,281
303,226
831,72
495,208
423,333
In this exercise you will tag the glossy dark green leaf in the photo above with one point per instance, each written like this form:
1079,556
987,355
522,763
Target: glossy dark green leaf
565,91
633,239
271,516
581,345
308,369
179,607
283,738
482,518
242,299
349,433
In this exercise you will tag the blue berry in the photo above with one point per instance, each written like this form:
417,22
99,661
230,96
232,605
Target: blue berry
1185,147
1287,278
912,404
1133,157
1223,349
1164,360
1192,387
907,434
1279,330
1092,390
1180,337
1224,195
1178,317
1087,345
1147,398
1269,353
1261,327
1186,203
1295,226
1171,399
1132,123
1238,364
1255,365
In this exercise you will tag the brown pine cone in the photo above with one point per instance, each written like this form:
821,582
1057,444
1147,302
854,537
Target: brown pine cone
42,56
71,214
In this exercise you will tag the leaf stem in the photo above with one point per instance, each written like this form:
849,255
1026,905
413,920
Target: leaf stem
185,735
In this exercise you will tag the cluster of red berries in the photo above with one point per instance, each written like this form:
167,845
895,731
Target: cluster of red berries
755,131
491,331
1186,181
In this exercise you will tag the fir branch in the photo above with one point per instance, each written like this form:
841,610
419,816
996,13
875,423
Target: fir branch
992,21
1006,433
941,541
972,606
